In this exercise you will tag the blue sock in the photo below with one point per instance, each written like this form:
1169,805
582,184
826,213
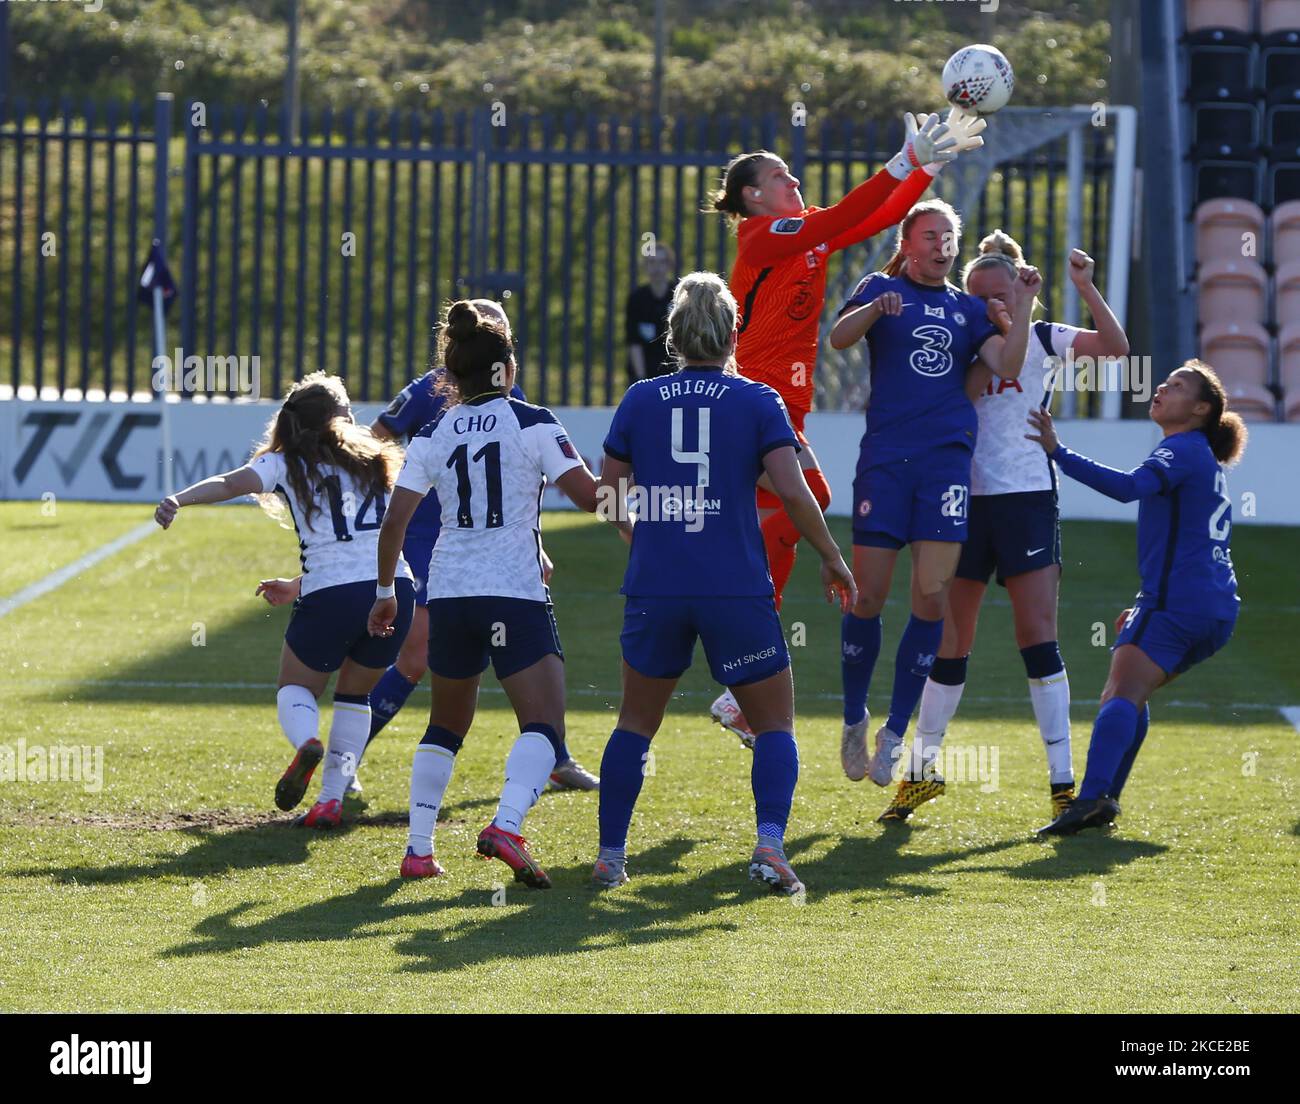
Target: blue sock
622,770
1126,764
859,650
1113,733
912,665
387,698
775,772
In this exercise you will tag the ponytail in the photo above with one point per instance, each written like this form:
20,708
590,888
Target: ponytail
741,173
702,320
1223,428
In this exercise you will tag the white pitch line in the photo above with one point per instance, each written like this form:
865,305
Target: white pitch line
595,692
56,579
1292,714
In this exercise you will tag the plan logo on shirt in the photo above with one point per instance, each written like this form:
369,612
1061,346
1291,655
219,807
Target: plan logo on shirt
934,312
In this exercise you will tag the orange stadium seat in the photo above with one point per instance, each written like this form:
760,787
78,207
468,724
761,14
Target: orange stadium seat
1286,294
1239,352
1234,290
1285,233
1202,14
1288,344
1279,15
1221,229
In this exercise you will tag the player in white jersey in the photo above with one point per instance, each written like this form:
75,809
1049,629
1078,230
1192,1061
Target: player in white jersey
1014,528
334,476
488,457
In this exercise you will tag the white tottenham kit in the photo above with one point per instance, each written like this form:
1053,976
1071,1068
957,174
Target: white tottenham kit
488,461
1005,462
339,543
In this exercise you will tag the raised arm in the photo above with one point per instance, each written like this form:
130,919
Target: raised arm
1109,338
216,488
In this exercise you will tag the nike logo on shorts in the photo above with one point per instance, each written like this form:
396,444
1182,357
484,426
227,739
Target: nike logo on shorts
1035,551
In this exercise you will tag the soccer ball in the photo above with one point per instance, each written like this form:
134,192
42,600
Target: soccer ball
978,78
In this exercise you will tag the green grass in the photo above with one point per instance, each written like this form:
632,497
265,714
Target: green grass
178,886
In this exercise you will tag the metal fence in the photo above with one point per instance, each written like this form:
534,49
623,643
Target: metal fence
337,251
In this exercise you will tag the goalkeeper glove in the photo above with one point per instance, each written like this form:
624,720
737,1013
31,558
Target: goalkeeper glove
927,140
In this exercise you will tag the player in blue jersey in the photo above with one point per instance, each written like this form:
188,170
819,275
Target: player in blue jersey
1187,607
690,447
418,403
1014,529
913,478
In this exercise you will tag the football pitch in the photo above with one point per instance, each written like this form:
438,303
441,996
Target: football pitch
172,882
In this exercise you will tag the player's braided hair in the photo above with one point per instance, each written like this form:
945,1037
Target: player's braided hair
741,173
314,429
1223,428
929,207
475,352
702,320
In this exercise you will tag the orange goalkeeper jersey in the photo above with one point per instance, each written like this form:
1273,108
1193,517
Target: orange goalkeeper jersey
779,280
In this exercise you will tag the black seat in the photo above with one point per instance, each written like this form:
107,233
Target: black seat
1221,179
1283,125
1220,66
1278,66
1283,182
1225,131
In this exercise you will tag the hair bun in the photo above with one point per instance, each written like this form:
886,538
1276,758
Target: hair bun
462,321
1000,242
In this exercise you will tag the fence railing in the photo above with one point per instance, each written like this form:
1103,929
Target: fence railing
336,252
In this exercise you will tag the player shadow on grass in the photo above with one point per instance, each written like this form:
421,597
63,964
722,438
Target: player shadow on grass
875,864
574,917
261,842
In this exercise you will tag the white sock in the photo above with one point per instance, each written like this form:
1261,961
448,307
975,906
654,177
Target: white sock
528,766
430,774
348,731
299,715
938,705
1051,701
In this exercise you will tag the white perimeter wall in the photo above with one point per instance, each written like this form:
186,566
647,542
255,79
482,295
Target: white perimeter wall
104,451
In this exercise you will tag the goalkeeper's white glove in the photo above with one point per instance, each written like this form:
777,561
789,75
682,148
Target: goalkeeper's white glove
927,140
964,127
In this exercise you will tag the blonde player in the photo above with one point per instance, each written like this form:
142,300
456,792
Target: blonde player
1014,530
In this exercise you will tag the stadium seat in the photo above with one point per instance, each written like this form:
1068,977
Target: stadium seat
1279,15
1239,352
1232,290
1209,15
1209,66
1284,234
1229,180
1283,127
1286,294
1280,64
1221,229
1283,181
1226,132
1288,347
